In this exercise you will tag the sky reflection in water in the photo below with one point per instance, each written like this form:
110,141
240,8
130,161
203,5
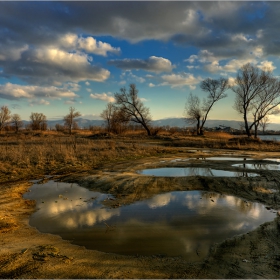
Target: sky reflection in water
259,166
193,171
182,223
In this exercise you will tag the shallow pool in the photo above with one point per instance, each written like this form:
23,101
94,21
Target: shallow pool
193,171
228,158
182,223
259,166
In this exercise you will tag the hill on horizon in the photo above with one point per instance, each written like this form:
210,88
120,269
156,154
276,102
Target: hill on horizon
172,122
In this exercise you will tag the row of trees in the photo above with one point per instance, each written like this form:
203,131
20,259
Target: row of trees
38,121
257,96
6,118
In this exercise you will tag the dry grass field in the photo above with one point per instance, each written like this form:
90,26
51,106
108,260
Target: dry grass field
29,154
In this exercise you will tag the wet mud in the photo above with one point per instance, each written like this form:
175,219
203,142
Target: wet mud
27,253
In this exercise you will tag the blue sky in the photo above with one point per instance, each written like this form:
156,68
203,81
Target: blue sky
54,55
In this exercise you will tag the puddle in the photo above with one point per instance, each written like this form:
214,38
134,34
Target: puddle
193,171
179,159
221,158
182,223
258,166
272,159
227,158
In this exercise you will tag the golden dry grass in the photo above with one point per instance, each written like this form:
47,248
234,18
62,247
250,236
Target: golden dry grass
28,154
218,135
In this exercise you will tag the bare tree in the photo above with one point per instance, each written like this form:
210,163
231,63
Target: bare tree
257,92
59,127
16,122
115,118
69,120
266,102
107,115
216,91
120,120
197,113
264,123
193,111
38,121
5,116
133,107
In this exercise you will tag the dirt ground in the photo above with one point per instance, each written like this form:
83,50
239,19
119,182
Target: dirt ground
27,253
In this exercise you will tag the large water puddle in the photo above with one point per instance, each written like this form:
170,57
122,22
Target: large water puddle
193,171
182,223
228,158
258,166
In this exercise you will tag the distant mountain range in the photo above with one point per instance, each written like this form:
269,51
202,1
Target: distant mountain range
180,122
172,122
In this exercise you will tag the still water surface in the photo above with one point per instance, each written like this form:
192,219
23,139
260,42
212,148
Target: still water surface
183,223
193,171
270,137
258,166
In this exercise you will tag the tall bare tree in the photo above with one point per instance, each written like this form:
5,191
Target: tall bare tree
133,107
119,121
69,120
266,103
197,113
115,118
107,115
257,95
193,111
264,123
38,121
5,116
16,122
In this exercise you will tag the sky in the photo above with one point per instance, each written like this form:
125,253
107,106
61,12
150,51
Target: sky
54,55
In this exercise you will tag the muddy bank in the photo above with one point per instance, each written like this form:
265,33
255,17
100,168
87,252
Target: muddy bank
127,185
27,253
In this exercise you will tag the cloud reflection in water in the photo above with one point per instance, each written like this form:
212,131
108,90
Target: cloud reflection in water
182,223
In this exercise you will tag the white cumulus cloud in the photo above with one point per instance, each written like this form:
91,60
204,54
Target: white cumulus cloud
15,91
152,64
87,44
39,102
267,66
180,80
103,96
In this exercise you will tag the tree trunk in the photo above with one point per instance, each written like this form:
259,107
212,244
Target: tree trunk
198,127
247,129
256,130
148,130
